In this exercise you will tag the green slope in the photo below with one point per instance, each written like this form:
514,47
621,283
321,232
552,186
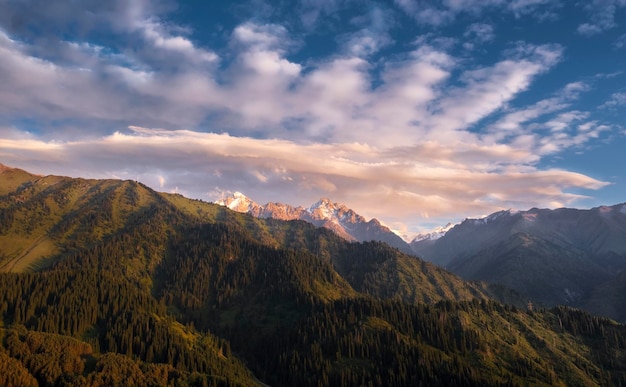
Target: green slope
46,216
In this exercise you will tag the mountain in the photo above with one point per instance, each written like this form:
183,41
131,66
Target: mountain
608,298
433,235
562,256
48,217
324,213
423,242
108,282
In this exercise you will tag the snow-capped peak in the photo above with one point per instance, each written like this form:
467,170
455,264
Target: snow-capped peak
324,213
323,208
434,234
238,202
322,203
489,218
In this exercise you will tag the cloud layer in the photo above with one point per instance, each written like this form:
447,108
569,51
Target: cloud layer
422,181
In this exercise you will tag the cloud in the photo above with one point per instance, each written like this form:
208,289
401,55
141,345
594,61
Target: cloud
616,100
438,13
156,35
373,34
523,7
602,15
480,32
312,11
488,89
341,98
550,125
389,183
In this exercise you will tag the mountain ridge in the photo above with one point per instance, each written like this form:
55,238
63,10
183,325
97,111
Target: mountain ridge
323,213
569,253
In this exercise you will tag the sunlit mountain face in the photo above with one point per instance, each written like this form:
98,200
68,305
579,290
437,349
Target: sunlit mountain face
324,213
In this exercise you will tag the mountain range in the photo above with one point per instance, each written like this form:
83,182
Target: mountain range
324,213
554,257
563,256
108,282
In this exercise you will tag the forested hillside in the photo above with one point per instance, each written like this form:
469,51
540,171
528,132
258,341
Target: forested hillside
108,282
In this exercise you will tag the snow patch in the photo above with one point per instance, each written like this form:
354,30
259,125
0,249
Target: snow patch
237,202
323,208
434,234
488,219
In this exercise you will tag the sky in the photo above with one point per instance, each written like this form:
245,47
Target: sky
414,112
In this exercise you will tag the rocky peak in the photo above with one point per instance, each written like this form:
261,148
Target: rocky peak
323,213
238,202
433,234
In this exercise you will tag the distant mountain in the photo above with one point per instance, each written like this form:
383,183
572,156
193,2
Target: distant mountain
609,299
562,256
324,213
432,235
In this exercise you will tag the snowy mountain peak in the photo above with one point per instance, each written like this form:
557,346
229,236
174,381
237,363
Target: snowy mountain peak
323,203
324,213
325,209
490,218
238,202
434,234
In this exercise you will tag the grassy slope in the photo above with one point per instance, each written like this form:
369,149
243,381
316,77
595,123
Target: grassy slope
46,216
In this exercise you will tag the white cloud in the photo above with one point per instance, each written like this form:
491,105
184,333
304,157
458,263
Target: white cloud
488,89
157,35
437,13
262,37
521,126
520,7
373,35
389,183
616,100
602,15
480,32
312,11
328,100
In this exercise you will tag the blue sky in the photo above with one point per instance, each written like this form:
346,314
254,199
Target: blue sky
414,112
